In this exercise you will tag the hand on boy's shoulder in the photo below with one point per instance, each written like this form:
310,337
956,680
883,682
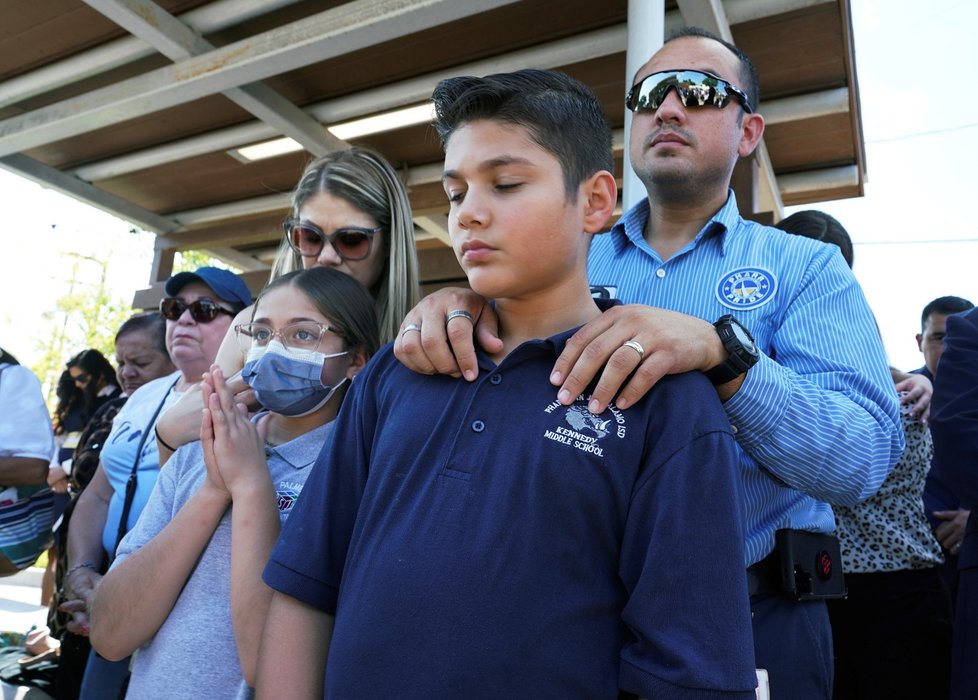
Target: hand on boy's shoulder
671,343
429,345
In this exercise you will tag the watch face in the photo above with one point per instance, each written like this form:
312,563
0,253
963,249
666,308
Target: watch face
743,336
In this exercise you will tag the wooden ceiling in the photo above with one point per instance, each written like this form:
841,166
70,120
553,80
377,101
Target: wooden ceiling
134,106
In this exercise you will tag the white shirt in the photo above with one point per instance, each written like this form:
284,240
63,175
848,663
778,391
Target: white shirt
25,426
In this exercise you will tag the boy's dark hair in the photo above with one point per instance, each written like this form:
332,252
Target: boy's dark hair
944,306
748,73
812,223
561,114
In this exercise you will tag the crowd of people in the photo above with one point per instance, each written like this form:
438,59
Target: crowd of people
665,460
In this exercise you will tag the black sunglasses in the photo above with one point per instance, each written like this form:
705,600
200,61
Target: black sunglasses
349,242
202,310
695,89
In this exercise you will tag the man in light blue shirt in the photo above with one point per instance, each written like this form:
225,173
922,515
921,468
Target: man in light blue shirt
811,399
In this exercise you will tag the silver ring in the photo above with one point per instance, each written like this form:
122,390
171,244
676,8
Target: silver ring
459,313
411,327
636,346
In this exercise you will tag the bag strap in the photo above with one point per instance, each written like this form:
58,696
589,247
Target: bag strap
133,478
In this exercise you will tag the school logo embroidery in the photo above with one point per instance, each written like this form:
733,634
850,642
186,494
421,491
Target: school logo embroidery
582,429
286,499
746,288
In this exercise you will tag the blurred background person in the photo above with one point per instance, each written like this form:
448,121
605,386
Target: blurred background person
95,376
95,383
26,445
955,425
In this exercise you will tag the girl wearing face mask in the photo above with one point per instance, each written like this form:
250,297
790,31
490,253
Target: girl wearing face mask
189,572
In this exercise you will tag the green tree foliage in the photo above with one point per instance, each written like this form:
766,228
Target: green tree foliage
85,316
190,260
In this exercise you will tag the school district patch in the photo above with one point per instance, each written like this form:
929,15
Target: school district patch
746,288
286,499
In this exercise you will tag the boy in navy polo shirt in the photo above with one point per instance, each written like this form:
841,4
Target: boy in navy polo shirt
480,540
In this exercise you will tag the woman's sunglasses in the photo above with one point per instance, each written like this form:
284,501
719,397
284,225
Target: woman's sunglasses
202,310
350,242
693,87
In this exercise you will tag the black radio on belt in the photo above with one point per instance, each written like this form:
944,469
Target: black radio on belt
811,565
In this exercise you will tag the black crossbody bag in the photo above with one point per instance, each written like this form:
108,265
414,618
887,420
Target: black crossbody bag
133,478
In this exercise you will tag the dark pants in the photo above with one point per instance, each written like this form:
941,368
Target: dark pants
892,636
104,680
964,666
793,642
71,666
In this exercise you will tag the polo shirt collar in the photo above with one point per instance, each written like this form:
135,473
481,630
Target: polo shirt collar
630,228
554,343
296,452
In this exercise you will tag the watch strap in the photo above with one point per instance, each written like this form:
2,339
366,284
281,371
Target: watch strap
738,361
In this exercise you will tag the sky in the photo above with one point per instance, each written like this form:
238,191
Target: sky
914,237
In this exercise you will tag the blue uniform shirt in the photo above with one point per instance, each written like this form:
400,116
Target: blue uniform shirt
480,540
817,419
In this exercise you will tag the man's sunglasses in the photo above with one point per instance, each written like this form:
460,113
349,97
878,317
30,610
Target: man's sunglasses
202,310
350,242
693,87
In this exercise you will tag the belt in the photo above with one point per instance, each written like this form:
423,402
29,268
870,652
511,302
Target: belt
764,577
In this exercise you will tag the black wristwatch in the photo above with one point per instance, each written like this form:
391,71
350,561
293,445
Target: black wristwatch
741,350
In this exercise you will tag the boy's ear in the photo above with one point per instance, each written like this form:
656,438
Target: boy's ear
360,358
600,193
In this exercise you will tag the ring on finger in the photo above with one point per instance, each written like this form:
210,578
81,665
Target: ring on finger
636,346
459,313
411,327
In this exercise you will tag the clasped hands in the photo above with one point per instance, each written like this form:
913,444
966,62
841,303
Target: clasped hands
233,445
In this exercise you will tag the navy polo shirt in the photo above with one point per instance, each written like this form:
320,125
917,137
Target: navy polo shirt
480,540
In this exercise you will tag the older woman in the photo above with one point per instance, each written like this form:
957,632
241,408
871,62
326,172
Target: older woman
198,308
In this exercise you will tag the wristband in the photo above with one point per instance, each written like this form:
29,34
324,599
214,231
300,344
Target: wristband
83,565
162,441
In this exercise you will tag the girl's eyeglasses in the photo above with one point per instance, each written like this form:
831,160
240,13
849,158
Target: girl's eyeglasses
304,335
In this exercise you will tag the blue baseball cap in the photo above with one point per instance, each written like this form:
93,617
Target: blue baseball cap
225,284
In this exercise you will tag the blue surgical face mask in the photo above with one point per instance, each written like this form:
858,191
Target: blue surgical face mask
288,381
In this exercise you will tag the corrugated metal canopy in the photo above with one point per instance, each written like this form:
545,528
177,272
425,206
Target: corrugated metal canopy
135,106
